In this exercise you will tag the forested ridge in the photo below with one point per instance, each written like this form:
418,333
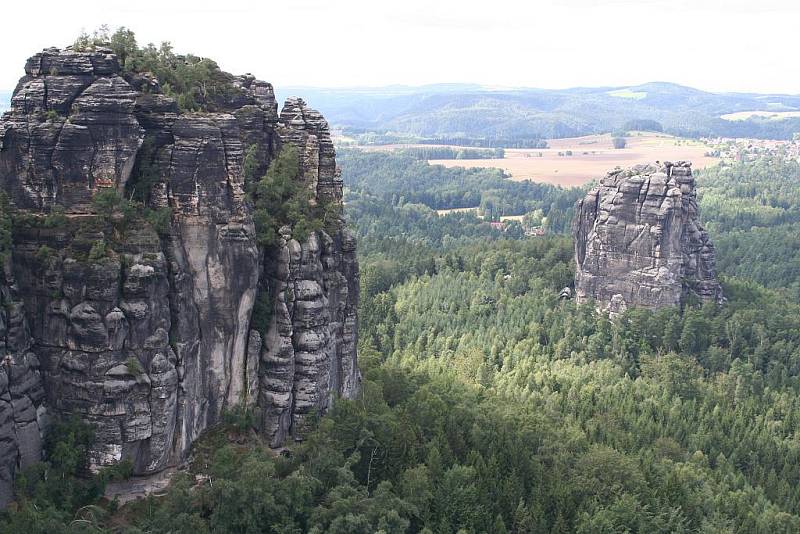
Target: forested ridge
490,405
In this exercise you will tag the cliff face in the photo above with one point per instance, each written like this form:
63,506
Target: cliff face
152,340
639,241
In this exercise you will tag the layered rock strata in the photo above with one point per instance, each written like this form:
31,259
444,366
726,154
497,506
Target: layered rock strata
639,241
148,334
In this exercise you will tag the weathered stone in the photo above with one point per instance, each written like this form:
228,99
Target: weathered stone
639,241
153,342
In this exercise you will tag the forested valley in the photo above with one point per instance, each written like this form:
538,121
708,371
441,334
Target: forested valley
489,404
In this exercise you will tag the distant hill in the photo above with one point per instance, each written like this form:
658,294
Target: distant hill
472,111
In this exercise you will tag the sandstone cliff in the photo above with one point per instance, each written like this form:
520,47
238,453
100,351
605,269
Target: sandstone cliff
151,342
639,241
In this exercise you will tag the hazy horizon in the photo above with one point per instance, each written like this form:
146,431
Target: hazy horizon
711,45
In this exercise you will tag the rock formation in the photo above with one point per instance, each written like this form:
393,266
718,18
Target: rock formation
639,241
152,340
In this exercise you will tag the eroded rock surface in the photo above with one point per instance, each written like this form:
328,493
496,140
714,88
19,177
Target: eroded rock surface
22,411
152,340
639,241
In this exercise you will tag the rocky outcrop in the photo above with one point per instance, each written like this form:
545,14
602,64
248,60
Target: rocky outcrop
305,349
22,412
639,241
147,332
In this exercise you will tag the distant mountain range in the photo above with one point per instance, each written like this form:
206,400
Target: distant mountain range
509,115
473,111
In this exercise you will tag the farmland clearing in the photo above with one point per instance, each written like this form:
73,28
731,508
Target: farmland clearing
576,161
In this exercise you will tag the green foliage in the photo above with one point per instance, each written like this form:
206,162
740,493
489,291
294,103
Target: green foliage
240,418
134,366
98,250
160,219
281,198
760,193
52,115
117,472
616,428
122,213
250,164
196,83
752,210
44,253
396,179
49,492
108,202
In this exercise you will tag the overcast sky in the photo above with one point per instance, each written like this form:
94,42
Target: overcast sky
721,45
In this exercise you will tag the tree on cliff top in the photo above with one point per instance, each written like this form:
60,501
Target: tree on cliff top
197,84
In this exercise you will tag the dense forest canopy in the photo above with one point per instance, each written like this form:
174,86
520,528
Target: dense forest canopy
398,179
752,210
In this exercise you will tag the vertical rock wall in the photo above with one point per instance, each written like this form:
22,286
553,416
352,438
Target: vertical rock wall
22,412
307,354
151,341
639,241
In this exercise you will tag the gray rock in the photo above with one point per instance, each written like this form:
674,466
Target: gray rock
153,343
639,241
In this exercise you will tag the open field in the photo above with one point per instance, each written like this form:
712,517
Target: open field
771,115
592,156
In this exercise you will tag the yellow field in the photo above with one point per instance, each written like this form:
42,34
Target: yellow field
592,156
771,115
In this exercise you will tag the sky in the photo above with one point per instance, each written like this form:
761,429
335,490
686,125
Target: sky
716,45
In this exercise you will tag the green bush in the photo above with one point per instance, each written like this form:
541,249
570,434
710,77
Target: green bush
98,250
134,366
240,418
61,482
44,253
160,219
281,198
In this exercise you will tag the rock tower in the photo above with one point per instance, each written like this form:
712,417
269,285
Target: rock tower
639,241
153,341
